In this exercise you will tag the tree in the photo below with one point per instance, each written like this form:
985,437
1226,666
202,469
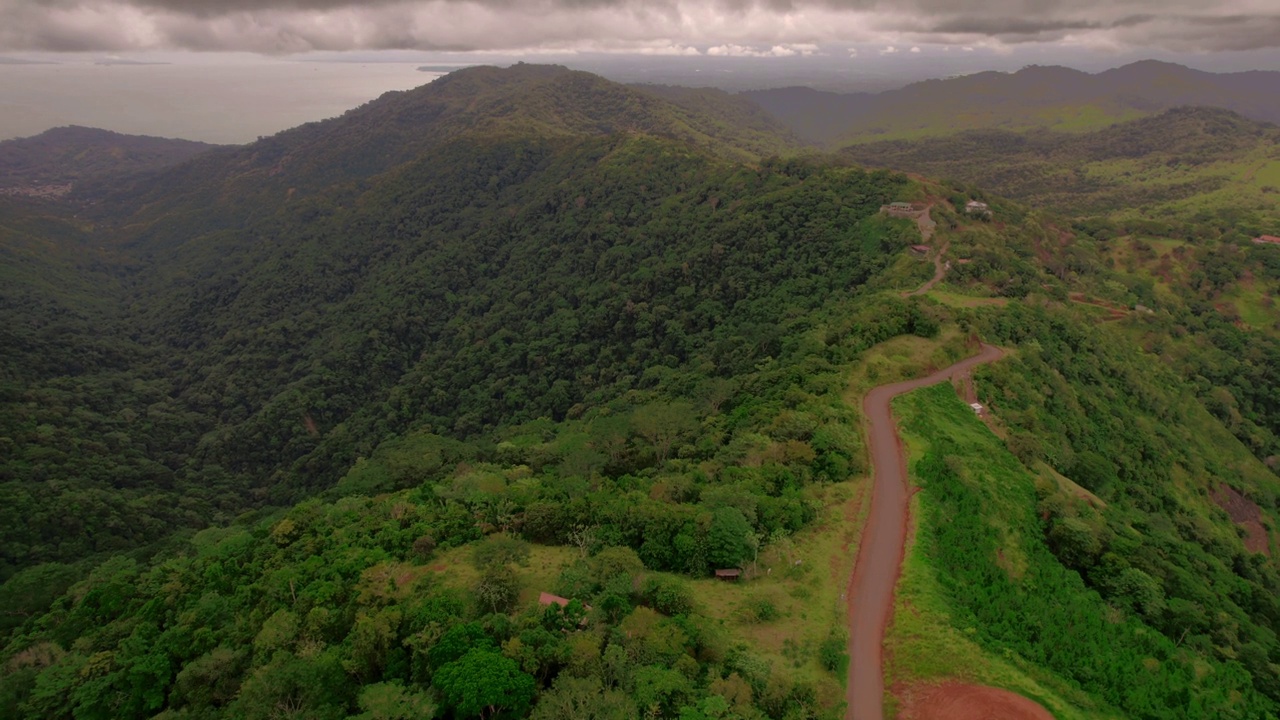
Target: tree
583,699
498,588
660,690
1075,542
664,423
456,642
389,701
212,679
484,684
312,687
500,549
729,538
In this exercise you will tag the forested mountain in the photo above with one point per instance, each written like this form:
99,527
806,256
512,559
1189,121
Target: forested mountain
56,160
1055,98
451,406
530,270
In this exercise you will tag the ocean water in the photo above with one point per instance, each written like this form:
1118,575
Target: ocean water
213,102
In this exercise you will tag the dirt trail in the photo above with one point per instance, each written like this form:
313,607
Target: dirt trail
1113,312
940,266
879,561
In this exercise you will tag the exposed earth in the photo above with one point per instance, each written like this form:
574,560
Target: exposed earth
959,701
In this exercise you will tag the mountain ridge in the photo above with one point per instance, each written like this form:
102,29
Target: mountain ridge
53,162
1035,96
400,126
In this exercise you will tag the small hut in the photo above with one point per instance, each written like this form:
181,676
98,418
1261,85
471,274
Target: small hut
729,574
547,598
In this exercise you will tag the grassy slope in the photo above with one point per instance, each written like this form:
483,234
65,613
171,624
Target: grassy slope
940,633
929,640
803,579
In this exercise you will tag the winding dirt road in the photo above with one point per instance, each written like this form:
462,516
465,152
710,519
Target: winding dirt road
880,554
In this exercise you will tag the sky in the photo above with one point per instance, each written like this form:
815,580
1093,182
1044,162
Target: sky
233,70
769,28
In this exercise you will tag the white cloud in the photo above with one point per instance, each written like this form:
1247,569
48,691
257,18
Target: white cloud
915,49
889,50
777,51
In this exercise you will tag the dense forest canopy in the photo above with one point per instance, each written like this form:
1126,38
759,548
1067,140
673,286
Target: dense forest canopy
451,406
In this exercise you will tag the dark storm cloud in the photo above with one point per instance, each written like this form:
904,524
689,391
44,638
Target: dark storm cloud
766,27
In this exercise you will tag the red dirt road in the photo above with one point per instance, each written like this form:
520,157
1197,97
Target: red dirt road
957,701
879,561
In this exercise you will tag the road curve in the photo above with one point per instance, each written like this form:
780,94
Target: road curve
880,553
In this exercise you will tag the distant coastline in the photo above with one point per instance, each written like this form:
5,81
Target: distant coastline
24,61
441,68
128,62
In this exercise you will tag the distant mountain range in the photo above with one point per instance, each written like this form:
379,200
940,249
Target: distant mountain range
1035,97
51,162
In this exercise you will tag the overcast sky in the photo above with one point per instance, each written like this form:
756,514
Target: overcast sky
710,27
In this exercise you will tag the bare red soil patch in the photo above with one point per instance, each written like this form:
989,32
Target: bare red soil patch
960,701
1245,513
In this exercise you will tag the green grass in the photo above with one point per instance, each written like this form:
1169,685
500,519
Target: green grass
927,641
902,358
1255,307
1086,118
960,299
453,568
983,599
1236,181
804,578
1268,174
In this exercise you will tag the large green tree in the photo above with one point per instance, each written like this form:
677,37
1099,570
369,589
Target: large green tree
485,684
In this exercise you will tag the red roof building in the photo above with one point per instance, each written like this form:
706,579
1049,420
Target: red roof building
1267,240
547,598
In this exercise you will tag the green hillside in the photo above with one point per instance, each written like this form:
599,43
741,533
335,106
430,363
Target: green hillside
1187,163
173,374
309,427
71,156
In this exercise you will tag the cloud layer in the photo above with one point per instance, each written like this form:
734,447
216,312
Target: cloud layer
763,28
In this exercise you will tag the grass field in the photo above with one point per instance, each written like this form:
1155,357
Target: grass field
1256,308
793,599
955,297
1086,118
924,642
